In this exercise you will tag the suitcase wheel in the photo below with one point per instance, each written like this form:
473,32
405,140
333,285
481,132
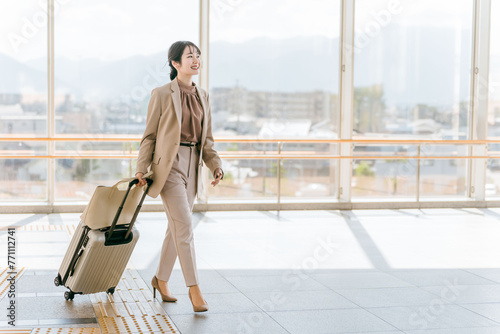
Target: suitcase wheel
69,295
111,290
57,280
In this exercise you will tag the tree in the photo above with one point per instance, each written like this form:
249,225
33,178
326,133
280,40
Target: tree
369,107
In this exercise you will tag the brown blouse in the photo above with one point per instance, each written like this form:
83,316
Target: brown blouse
192,113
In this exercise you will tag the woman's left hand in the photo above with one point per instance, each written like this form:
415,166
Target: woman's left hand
218,175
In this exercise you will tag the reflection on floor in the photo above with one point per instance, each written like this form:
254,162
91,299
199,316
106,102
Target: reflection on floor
433,271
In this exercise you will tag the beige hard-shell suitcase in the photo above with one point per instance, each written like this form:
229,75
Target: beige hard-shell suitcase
96,258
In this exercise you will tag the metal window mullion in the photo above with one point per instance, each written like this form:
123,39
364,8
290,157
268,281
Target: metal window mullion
204,41
50,102
204,24
346,97
479,98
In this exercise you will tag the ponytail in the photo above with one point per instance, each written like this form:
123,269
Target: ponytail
173,71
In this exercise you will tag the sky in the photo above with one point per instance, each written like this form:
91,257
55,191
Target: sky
107,30
276,19
115,29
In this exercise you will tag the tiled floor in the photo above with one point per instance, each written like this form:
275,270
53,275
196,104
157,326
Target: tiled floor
433,271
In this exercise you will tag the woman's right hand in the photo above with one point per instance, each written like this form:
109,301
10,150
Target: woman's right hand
142,181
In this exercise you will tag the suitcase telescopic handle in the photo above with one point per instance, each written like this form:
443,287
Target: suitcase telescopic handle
135,181
118,213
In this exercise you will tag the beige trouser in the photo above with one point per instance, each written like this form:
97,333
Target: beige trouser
178,196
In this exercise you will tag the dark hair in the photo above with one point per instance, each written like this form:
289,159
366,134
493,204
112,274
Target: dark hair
175,54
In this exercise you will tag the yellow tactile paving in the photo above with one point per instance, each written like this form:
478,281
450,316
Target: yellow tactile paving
127,309
43,227
5,273
146,324
83,330
16,331
131,309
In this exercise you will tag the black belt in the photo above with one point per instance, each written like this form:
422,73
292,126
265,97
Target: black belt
190,144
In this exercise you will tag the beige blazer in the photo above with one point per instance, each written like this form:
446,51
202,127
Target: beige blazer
160,142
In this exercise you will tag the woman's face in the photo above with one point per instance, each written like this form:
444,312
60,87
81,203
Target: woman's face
190,61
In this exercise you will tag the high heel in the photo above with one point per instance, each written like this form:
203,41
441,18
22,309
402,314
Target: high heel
198,308
165,298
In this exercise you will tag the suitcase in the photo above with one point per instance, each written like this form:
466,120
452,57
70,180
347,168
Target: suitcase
96,258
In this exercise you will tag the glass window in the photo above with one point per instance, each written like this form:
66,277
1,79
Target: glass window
412,65
274,73
443,178
412,71
23,98
245,180
377,179
23,64
493,167
108,57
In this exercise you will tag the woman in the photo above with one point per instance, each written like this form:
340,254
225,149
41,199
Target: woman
178,137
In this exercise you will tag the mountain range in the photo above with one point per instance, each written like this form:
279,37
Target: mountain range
437,72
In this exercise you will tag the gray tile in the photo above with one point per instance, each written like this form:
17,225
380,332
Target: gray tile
68,321
289,281
25,308
210,282
492,274
250,272
217,302
468,293
489,310
24,295
475,330
299,300
46,272
431,316
349,270
38,283
233,312
330,321
359,280
384,297
384,332
28,272
50,241
439,277
50,294
89,324
20,324
231,323
80,307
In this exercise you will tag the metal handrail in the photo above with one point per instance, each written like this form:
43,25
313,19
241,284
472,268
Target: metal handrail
256,156
122,138
231,155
